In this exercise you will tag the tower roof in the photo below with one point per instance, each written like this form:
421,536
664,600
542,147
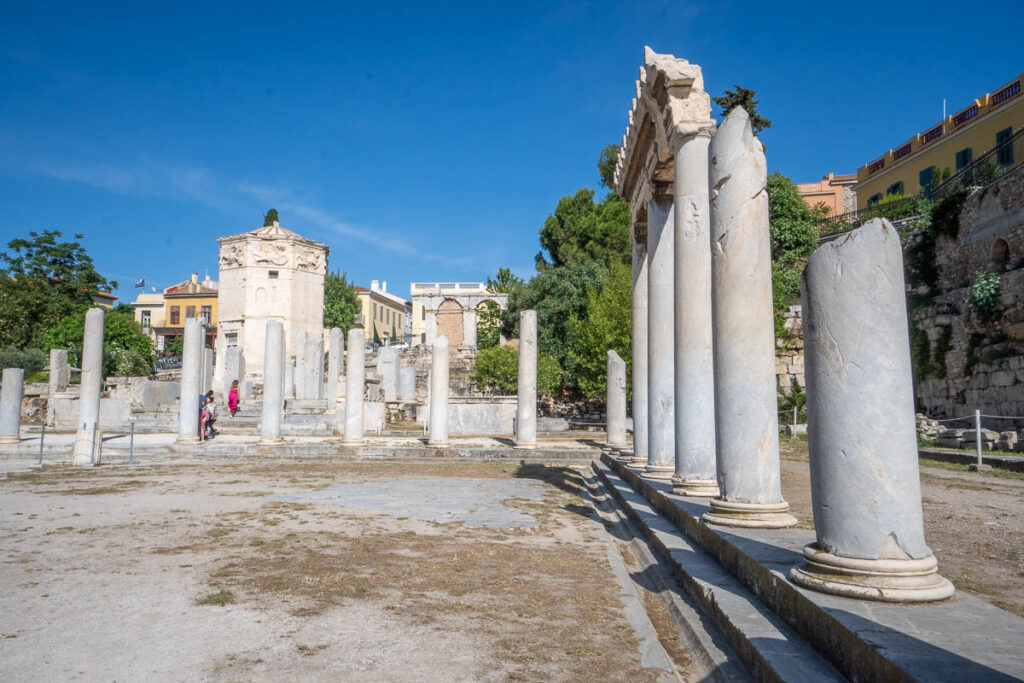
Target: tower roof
274,230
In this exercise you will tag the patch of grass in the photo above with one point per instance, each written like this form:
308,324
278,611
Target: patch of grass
308,650
256,542
220,598
219,531
995,471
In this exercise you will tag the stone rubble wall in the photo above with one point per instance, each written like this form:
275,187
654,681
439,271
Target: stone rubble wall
789,352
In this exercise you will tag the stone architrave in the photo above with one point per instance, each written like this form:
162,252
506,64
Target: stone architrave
865,484
89,438
335,351
60,371
746,417
273,383
615,402
355,380
10,405
207,379
660,340
695,473
526,407
387,368
406,382
191,381
439,392
469,328
639,351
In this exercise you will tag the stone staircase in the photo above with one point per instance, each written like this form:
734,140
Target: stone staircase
301,418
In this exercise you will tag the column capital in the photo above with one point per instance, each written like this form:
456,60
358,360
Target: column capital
684,131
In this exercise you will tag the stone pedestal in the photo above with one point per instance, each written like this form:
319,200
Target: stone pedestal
387,368
615,402
273,383
695,471
639,351
469,328
406,382
60,371
746,418
439,392
88,440
661,444
335,365
191,381
355,379
526,407
10,405
865,485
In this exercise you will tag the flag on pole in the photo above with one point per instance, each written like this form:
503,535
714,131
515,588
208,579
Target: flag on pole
141,282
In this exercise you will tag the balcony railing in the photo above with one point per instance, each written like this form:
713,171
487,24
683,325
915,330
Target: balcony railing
895,210
986,169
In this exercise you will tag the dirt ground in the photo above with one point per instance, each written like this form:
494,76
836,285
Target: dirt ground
974,523
193,571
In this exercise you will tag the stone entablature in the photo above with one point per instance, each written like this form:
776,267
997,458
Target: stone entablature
267,274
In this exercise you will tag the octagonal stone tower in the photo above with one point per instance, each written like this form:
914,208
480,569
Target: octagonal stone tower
268,274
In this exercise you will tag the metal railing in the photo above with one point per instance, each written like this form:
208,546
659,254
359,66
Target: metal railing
986,169
895,210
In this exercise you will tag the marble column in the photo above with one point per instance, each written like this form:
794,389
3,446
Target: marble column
207,379
746,417
694,370
191,381
89,438
273,383
469,328
300,371
660,340
406,382
387,368
355,379
335,349
60,371
289,378
10,405
526,408
316,368
439,392
865,485
431,327
615,402
639,350
234,369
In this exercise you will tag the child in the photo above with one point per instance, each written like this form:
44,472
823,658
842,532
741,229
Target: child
233,398
211,408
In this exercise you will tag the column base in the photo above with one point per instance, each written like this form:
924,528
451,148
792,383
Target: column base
360,442
271,442
187,440
84,453
749,515
638,461
615,446
532,445
883,580
695,488
623,454
439,444
660,472
10,438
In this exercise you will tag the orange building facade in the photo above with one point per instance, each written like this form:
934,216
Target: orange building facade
834,191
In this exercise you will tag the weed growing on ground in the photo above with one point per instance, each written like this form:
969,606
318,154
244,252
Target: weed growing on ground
220,598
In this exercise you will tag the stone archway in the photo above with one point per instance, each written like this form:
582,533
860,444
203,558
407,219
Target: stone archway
1000,256
449,322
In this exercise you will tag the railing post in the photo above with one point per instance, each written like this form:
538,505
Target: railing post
131,444
42,438
977,434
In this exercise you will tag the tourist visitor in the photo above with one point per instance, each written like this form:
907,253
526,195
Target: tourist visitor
233,398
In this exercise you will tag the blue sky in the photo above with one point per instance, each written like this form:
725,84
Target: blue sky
424,141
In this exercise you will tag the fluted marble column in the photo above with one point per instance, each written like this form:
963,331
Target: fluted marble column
526,408
10,405
660,340
746,417
335,361
695,471
865,485
439,392
639,295
355,379
191,381
273,383
89,438
615,402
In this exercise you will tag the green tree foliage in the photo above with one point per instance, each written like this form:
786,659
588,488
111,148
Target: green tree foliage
785,293
790,220
32,361
44,280
270,218
582,230
743,97
488,325
608,324
496,371
174,345
983,295
126,350
793,398
504,282
341,303
606,165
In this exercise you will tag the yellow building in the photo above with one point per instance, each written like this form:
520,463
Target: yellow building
188,299
149,312
954,142
383,312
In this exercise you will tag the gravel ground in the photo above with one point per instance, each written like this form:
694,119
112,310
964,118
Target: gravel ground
308,571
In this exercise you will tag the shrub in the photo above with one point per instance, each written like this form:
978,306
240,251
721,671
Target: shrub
793,398
496,370
983,295
785,293
32,361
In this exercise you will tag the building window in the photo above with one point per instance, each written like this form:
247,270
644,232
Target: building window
146,316
1005,154
175,315
374,311
190,312
207,314
874,199
231,339
272,274
963,158
925,178
895,188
